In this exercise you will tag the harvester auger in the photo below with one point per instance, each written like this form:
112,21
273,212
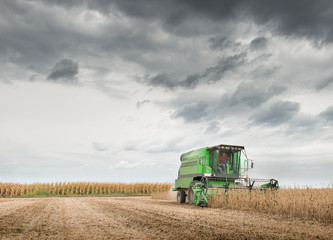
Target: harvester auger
209,170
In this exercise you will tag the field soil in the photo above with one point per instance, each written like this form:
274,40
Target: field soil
142,218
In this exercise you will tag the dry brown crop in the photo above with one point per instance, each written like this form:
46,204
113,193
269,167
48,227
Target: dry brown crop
81,188
308,203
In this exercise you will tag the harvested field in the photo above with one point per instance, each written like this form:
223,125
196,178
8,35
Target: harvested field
143,218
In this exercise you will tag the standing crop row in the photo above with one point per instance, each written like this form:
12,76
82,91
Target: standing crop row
81,188
308,203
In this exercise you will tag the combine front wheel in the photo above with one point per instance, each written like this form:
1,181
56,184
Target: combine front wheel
181,196
190,192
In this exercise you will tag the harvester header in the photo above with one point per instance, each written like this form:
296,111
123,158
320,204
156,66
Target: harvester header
206,170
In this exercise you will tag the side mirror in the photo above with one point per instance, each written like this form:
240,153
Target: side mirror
251,164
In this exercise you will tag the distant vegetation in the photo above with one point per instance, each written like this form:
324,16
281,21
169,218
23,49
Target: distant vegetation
305,203
80,189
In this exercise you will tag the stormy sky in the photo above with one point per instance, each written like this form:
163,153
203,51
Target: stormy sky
116,91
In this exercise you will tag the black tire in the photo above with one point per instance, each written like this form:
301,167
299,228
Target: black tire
190,192
181,196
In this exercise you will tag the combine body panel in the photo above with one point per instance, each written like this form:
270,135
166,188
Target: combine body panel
205,171
191,168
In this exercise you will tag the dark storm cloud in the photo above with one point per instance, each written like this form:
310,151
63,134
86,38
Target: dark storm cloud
192,112
327,114
160,80
65,69
299,18
225,64
246,98
324,83
38,32
309,19
259,43
221,43
164,80
34,34
251,95
276,114
191,81
209,75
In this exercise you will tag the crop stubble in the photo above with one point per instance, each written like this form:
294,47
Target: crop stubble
143,218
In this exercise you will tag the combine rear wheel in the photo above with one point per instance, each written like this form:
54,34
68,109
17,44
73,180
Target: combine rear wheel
190,192
181,196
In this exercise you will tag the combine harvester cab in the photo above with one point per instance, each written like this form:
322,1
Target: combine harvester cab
205,171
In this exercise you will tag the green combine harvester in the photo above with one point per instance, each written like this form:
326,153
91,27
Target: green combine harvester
205,171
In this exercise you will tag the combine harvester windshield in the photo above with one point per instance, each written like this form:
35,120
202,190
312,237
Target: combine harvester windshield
205,171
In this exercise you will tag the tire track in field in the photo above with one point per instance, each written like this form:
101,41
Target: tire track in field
84,221
63,218
165,225
15,222
39,221
49,223
36,222
166,222
8,206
